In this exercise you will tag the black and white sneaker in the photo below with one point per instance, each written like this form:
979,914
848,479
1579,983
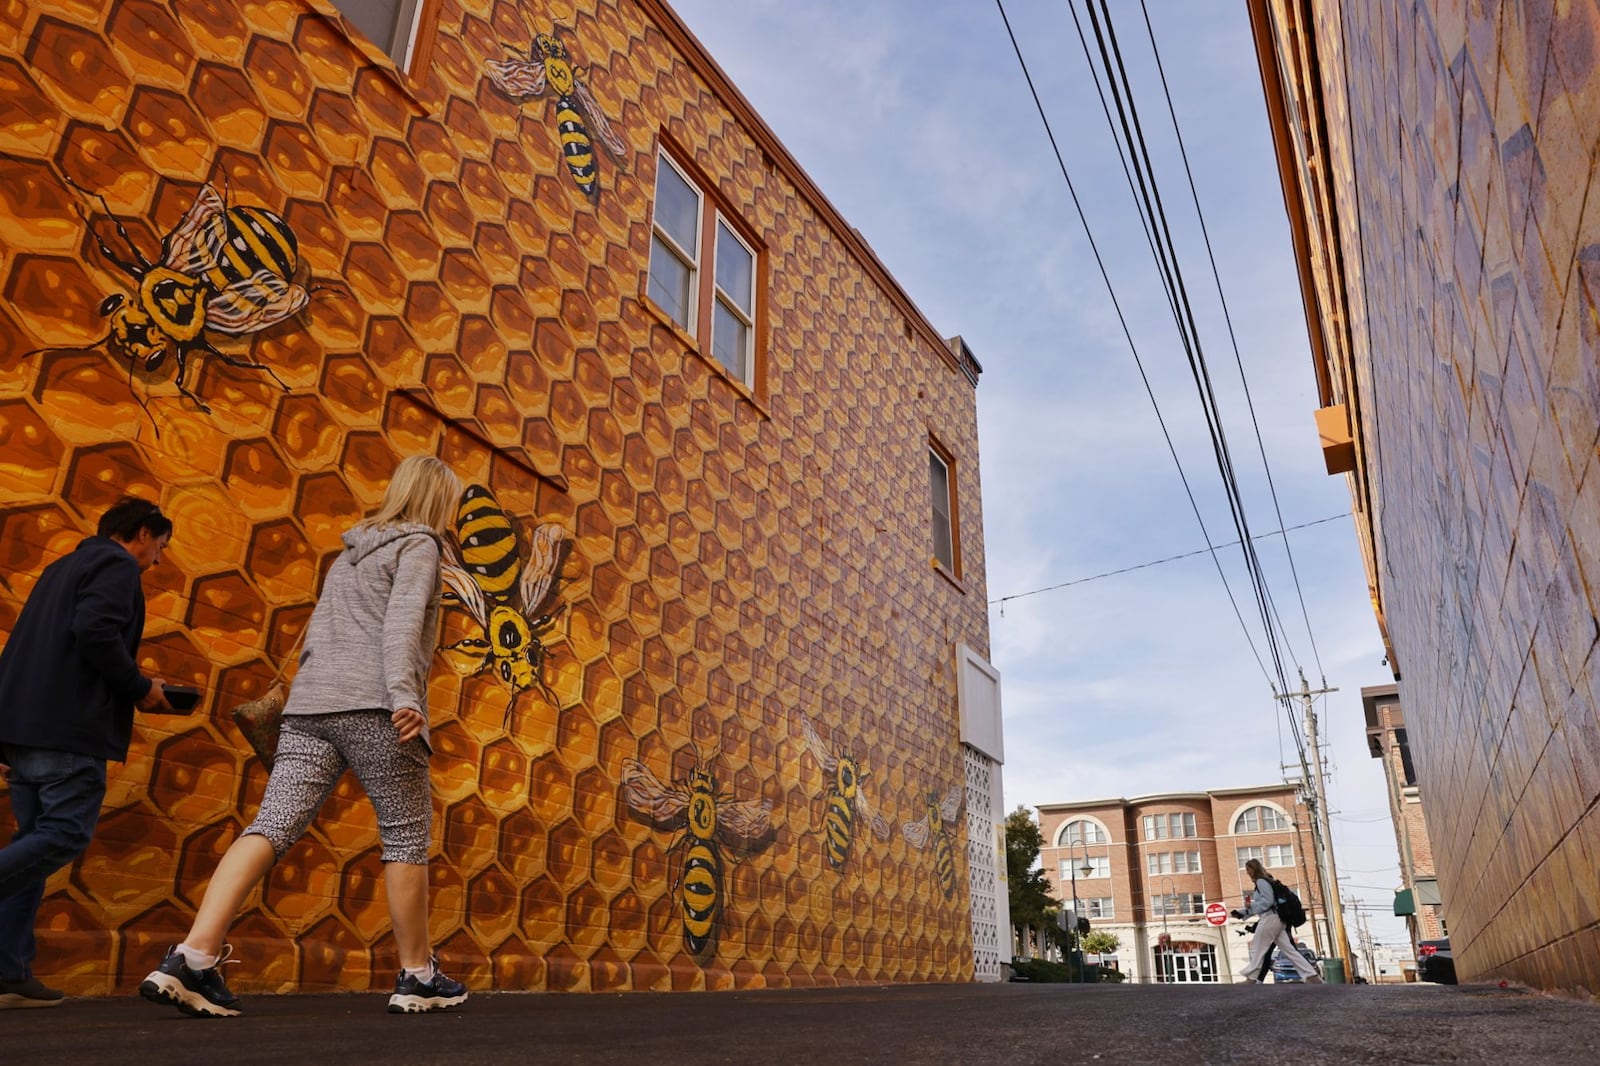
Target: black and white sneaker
412,996
199,993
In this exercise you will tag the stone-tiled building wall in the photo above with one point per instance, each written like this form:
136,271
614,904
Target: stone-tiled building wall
739,561
1439,164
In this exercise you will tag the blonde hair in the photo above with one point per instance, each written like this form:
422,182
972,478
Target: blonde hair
423,490
1256,871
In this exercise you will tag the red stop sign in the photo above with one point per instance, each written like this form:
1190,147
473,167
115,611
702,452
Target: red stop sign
1216,914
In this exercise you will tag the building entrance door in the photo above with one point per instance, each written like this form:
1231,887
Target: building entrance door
1188,964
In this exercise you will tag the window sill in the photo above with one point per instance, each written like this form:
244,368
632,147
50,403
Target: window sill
692,345
959,585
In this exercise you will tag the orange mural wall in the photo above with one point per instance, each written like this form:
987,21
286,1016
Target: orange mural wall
247,263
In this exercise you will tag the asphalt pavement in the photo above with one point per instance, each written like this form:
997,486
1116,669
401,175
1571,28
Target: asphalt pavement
908,1025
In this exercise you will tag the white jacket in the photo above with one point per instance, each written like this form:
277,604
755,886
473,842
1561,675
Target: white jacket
369,644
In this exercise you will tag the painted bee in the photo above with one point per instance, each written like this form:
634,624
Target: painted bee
227,269
708,820
579,120
847,797
486,574
930,829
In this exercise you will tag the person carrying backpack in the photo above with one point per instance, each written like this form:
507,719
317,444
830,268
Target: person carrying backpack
1271,928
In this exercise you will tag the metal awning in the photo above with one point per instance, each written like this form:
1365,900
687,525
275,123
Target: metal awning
1404,903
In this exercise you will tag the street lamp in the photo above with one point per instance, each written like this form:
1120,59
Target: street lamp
1072,871
1166,938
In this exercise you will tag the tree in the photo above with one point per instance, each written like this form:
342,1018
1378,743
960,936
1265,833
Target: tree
1028,890
1101,942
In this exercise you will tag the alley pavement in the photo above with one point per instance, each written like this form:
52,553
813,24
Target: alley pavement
908,1025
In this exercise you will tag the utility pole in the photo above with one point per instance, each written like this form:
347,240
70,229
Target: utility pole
1322,832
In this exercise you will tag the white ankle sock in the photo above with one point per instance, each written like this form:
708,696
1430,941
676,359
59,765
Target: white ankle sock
195,960
422,973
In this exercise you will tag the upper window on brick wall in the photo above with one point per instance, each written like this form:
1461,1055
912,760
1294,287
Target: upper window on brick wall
704,273
389,24
1262,819
942,488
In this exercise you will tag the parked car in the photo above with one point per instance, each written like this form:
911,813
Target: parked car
1283,972
1435,963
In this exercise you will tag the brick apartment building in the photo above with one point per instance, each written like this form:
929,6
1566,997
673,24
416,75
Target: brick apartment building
1418,898
1154,862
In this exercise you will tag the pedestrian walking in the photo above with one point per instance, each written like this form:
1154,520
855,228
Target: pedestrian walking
69,684
359,700
1270,931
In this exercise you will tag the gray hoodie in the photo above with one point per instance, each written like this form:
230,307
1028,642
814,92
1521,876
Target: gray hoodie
370,641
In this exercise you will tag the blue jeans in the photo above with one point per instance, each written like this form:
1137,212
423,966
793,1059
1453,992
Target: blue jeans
55,798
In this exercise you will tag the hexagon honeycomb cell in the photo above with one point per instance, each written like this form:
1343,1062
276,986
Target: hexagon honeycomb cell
738,553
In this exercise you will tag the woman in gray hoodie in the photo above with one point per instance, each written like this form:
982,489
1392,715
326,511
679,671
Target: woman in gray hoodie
359,700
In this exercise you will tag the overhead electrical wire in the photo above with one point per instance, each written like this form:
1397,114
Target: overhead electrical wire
1133,347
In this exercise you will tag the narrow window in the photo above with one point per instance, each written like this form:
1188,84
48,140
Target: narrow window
675,245
939,480
389,24
734,310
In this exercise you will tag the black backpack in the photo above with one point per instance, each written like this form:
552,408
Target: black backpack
1288,905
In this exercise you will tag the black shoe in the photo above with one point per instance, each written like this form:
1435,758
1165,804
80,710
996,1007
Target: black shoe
412,996
200,993
28,992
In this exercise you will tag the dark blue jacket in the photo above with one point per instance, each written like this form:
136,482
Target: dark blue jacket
68,678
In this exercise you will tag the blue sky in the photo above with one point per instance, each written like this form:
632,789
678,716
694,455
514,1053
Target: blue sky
915,120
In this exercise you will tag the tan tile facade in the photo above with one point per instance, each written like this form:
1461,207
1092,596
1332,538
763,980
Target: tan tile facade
740,558
1219,834
1439,169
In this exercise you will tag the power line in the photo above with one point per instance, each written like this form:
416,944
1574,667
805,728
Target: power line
1003,600
1127,333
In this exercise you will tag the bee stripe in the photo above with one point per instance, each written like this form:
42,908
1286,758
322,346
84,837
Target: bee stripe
488,543
702,889
269,238
838,824
944,862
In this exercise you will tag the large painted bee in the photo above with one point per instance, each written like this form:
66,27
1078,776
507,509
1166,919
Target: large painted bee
708,821
931,829
222,268
847,797
579,120
486,574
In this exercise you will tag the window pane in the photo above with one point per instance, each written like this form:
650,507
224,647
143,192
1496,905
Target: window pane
735,270
939,480
386,23
678,208
730,339
670,282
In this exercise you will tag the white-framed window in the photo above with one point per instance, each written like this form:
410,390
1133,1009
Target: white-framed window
1260,819
1278,856
704,272
389,24
1158,862
1186,862
1165,826
942,489
1100,907
1099,866
1081,831
1183,825
1246,854
1155,826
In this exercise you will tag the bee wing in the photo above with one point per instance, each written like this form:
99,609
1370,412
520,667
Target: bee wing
814,742
459,583
880,824
747,819
596,121
952,803
645,793
545,549
196,242
517,78
254,303
917,833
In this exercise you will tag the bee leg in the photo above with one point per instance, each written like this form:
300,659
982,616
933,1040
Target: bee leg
135,271
247,364
182,359
144,405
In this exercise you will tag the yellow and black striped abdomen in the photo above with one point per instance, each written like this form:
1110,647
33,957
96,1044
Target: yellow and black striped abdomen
576,146
839,824
488,543
701,894
253,239
944,863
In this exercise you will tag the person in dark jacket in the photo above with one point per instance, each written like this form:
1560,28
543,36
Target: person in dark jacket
69,684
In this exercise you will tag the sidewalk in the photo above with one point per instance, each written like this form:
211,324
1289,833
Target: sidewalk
908,1025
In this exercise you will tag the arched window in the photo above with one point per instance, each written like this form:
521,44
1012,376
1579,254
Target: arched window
1081,831
1260,819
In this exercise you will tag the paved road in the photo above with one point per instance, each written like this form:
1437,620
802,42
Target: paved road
913,1025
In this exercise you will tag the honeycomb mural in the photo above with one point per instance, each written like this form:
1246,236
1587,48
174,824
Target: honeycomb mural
709,576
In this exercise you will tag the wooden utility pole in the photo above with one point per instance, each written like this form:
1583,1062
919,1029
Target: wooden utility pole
1322,832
